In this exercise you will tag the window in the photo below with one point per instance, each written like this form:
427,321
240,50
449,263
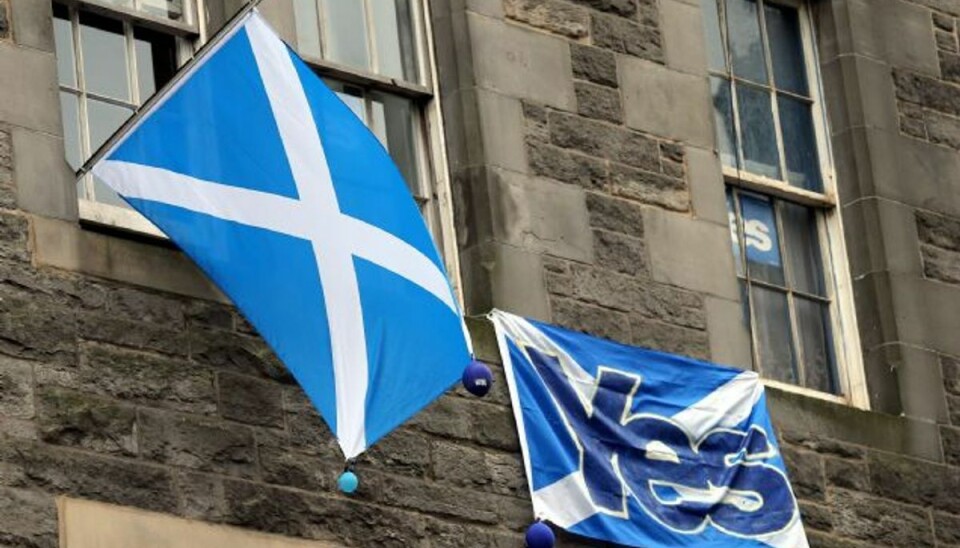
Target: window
783,217
373,54
375,36
395,120
108,63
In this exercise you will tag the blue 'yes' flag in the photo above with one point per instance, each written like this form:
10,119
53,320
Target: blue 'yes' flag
278,191
644,448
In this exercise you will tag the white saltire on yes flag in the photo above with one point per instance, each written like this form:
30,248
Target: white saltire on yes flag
643,448
295,210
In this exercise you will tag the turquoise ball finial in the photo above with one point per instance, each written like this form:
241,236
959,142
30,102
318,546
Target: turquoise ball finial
348,482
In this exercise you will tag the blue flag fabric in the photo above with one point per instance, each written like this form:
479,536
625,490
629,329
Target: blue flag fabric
294,209
643,448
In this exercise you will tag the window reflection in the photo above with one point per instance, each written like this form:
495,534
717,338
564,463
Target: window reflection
746,47
376,36
758,136
393,119
783,288
156,60
777,136
346,28
101,84
104,51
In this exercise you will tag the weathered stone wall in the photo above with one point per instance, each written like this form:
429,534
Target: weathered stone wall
588,193
125,378
624,130
619,136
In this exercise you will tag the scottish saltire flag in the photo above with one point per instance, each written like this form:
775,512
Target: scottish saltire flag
643,448
294,209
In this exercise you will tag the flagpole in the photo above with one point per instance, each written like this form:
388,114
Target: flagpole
174,82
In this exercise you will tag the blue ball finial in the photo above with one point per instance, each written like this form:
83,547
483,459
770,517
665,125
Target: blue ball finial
348,482
477,378
540,535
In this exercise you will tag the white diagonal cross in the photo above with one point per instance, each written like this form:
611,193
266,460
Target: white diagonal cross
316,217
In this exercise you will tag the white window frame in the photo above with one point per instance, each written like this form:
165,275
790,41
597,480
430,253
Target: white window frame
836,273
185,33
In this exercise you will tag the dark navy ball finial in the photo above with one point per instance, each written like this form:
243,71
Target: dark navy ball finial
540,535
477,378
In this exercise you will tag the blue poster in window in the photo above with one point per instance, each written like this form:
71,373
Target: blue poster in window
760,231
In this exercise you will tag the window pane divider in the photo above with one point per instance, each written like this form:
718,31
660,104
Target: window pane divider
82,121
373,56
742,240
804,391
779,189
776,287
764,87
111,100
351,75
799,360
421,43
133,79
170,26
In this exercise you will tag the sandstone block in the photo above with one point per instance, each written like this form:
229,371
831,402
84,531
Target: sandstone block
563,165
75,419
649,188
878,521
182,440
552,15
250,400
16,389
599,102
624,36
141,378
615,215
594,64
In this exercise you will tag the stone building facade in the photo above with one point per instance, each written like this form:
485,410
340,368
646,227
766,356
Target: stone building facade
573,167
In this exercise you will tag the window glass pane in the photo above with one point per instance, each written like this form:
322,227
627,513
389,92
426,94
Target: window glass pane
723,118
70,110
815,340
393,33
378,124
170,9
156,60
351,96
104,56
800,144
773,334
743,33
734,231
803,247
761,239
757,134
63,38
308,27
711,25
786,48
401,134
104,119
346,29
